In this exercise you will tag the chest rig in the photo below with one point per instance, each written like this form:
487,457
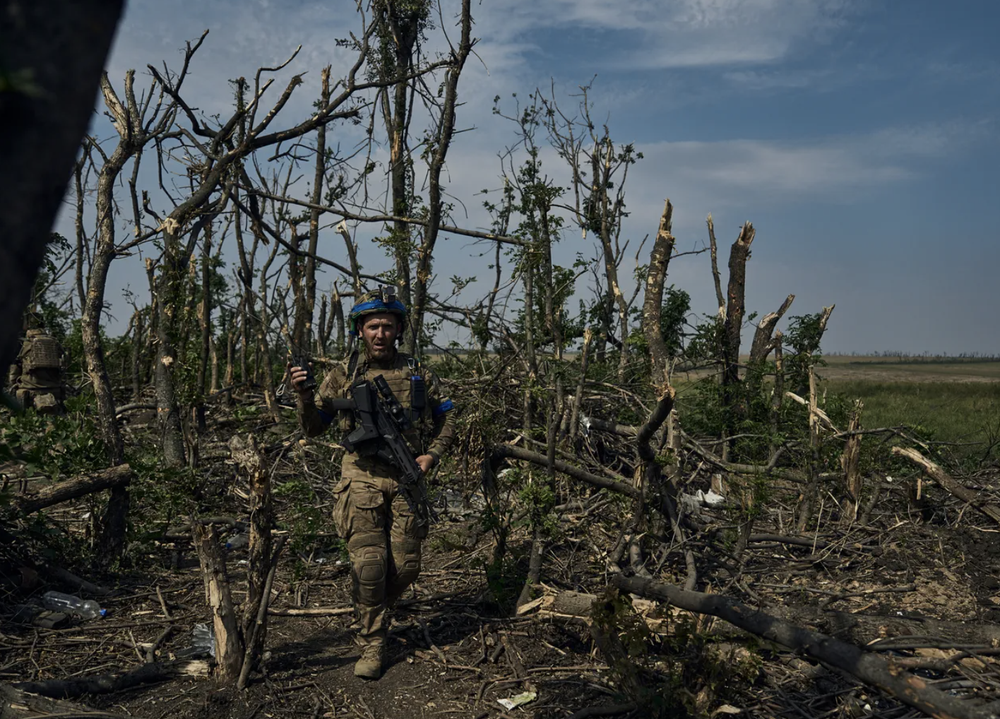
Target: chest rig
406,380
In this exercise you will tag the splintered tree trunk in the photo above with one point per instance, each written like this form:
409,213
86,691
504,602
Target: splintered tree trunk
228,639
538,513
866,666
574,421
763,344
714,247
94,354
169,295
265,351
762,338
171,432
529,341
214,386
248,456
111,541
810,492
336,320
738,255
949,483
652,306
736,308
779,389
849,463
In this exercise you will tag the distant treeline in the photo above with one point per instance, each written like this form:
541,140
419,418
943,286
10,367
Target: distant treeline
925,358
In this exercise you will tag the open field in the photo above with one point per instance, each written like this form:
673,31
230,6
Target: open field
891,369
963,412
954,401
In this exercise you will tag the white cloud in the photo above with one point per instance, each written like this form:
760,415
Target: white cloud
682,33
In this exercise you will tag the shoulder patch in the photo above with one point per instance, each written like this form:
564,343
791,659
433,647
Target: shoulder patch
446,406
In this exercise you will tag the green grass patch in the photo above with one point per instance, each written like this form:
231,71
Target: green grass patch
944,411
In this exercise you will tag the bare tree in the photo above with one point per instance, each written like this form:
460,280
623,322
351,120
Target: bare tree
222,149
599,172
437,147
138,123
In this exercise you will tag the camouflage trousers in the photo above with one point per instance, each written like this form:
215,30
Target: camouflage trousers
383,540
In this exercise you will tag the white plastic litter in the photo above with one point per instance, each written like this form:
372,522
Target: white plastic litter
518,700
710,498
692,503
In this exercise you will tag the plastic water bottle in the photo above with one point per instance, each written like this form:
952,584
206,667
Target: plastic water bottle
59,602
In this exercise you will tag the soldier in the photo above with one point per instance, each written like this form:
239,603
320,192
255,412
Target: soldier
39,383
383,535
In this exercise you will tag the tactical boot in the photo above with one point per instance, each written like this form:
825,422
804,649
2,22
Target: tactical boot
369,666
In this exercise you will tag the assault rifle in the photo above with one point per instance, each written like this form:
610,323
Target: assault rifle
380,421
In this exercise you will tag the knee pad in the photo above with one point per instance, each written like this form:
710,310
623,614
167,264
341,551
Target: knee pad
406,554
368,570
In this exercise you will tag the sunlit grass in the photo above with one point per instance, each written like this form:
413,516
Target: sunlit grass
949,411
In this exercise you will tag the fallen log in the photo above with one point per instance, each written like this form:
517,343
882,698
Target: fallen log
108,683
949,483
512,452
17,704
878,632
874,629
76,487
867,667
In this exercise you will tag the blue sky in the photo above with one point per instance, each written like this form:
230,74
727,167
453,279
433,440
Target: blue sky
860,137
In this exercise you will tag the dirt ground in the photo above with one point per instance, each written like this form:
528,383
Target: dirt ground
446,657
456,652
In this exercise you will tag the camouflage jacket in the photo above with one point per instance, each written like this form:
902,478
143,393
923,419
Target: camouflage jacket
432,433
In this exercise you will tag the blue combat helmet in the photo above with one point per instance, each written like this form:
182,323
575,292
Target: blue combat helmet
376,302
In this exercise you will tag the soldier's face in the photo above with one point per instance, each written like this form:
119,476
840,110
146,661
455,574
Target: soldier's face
379,333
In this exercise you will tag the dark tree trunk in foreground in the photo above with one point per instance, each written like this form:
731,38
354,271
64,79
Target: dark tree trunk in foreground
53,55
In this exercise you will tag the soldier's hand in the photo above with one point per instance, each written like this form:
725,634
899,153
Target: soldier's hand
425,462
297,375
